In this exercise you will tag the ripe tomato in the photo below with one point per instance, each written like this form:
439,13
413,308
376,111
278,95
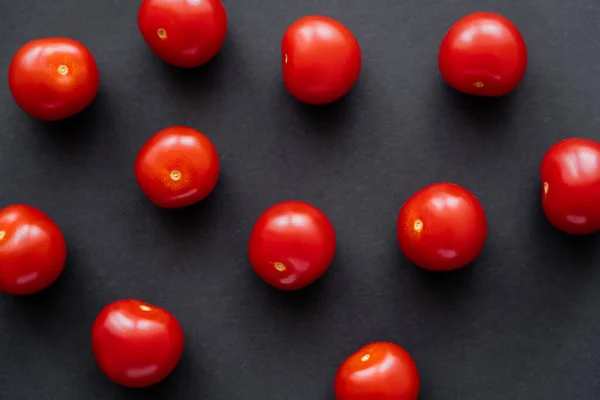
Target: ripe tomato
53,78
291,245
185,33
570,176
177,167
378,371
32,250
442,227
321,59
483,54
136,344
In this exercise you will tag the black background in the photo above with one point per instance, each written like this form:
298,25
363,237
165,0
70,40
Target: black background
522,323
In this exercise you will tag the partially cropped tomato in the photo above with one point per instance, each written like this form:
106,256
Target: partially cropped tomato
291,245
378,371
53,78
321,59
570,176
185,33
483,54
442,227
177,167
136,344
32,250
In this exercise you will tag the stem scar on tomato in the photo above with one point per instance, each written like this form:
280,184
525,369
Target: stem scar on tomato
162,33
546,187
175,175
279,266
478,84
285,59
63,69
365,357
418,225
2,234
145,308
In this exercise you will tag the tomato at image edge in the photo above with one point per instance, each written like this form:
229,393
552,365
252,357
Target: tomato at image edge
291,245
33,250
378,371
570,175
135,343
177,167
184,33
320,67
442,227
53,78
483,54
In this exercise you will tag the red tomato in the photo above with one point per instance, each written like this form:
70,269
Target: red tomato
177,167
53,78
291,245
185,33
321,59
570,176
136,344
32,250
378,371
442,227
483,54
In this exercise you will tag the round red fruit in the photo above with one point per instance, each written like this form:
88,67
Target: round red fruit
185,33
321,59
483,54
32,250
291,245
378,371
570,176
177,167
53,78
442,227
136,344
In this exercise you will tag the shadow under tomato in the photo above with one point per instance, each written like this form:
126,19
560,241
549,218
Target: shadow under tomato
325,122
76,134
185,382
445,286
192,83
574,256
185,221
485,112
305,301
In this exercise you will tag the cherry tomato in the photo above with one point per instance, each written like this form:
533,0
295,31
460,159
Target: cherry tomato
136,344
483,54
32,250
185,33
177,167
291,245
378,371
442,227
321,59
53,78
570,176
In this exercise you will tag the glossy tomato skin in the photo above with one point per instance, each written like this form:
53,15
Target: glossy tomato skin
291,245
442,227
185,33
53,78
32,250
136,344
378,371
483,54
177,167
321,59
570,175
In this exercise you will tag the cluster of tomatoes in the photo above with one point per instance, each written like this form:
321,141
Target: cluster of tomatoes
441,227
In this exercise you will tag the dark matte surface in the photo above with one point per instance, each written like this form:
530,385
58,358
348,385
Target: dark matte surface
523,323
